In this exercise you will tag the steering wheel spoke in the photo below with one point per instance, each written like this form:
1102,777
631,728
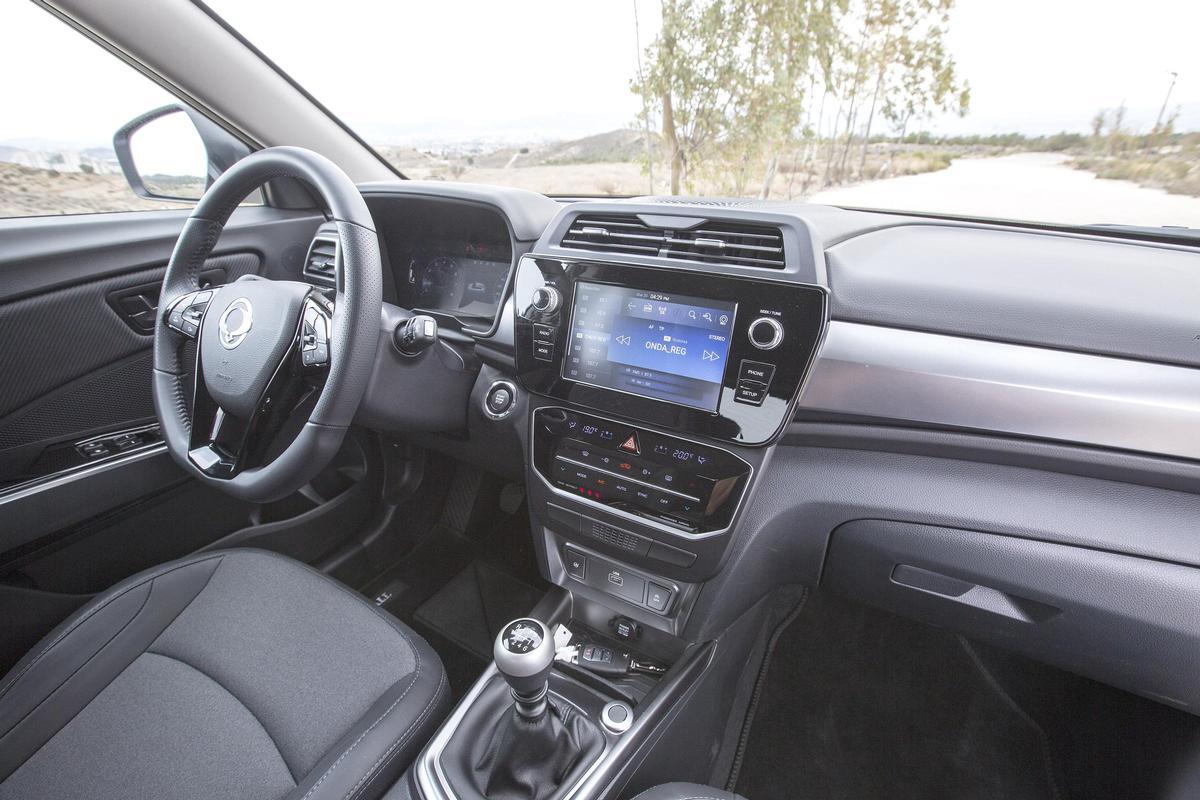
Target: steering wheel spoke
187,312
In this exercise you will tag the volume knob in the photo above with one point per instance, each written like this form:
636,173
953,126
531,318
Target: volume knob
545,300
765,333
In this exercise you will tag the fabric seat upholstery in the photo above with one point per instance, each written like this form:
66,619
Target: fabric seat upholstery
234,674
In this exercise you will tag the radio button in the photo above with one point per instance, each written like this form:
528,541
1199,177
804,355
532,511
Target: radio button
543,333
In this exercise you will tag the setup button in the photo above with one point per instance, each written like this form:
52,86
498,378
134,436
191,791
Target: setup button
750,393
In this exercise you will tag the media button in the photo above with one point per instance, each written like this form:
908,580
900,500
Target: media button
543,351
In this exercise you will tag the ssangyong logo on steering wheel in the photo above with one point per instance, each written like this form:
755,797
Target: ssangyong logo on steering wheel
235,323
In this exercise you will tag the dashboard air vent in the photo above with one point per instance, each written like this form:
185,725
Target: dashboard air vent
320,265
711,242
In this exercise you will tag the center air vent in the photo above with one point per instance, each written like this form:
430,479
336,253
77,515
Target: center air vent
710,242
321,264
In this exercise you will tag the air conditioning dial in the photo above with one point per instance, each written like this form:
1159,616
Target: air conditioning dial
545,300
765,333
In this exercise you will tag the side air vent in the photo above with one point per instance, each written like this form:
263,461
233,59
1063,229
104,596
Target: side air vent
320,266
711,242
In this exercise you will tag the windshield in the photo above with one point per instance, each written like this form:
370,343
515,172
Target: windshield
1057,112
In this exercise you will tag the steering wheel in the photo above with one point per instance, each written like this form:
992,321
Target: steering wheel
280,368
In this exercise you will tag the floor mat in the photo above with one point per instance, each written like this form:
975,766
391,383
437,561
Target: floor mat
471,608
433,580
862,704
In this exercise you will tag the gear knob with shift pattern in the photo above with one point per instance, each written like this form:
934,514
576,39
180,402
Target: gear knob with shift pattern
524,654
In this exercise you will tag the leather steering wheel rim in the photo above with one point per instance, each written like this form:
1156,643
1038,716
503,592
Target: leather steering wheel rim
353,335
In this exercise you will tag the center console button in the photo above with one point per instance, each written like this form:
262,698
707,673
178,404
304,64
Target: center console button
543,351
750,393
575,564
543,333
658,597
757,371
765,333
671,555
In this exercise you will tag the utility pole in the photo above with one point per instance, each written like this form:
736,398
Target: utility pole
637,41
1167,99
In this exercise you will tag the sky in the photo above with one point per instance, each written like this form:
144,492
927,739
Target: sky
451,70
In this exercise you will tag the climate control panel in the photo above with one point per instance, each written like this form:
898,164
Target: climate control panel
690,486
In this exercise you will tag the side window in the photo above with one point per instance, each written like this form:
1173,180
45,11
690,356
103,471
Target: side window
64,100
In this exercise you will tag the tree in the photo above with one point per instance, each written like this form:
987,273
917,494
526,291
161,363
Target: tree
727,78
920,75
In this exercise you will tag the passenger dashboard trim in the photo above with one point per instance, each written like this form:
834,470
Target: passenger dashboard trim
904,375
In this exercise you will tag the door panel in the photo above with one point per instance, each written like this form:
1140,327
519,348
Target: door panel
75,370
82,368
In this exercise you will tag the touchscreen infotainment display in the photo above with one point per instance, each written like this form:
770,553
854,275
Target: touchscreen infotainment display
667,346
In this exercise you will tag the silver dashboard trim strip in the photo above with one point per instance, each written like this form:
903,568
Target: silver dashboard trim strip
903,375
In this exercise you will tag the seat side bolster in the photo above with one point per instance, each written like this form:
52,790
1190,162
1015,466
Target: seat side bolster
79,658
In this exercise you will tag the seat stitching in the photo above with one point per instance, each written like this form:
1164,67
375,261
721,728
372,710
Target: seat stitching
89,614
240,702
394,750
361,736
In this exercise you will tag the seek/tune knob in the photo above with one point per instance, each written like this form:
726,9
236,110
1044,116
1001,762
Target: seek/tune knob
765,333
545,300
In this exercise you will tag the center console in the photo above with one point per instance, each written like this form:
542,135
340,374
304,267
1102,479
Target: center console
654,392
651,393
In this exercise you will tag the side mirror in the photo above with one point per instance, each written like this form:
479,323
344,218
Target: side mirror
174,153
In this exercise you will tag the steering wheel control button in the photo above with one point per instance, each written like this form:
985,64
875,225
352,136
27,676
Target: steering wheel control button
187,312
616,717
545,300
500,400
765,333
314,337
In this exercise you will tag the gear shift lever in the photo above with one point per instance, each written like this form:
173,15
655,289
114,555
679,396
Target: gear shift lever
524,654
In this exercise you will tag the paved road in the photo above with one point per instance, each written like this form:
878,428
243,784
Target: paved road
1027,186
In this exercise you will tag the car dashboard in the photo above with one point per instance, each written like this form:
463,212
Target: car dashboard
979,426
